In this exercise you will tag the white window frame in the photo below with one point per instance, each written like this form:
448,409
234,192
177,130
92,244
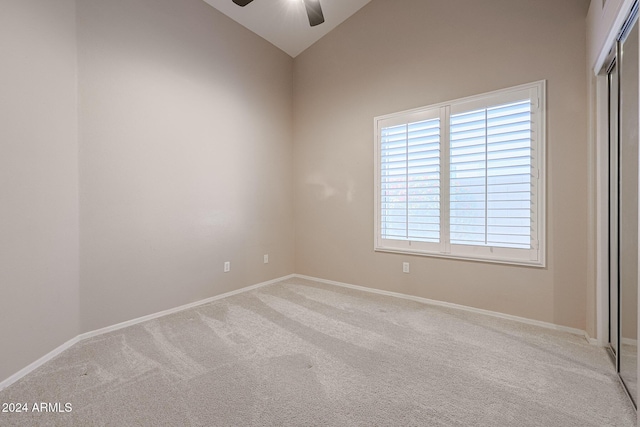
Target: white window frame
535,256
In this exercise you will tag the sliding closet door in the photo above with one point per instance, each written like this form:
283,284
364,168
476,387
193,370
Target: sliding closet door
613,210
628,209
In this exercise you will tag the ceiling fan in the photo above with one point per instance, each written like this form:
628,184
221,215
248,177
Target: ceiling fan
314,10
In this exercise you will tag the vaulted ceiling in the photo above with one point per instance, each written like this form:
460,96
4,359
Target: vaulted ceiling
284,23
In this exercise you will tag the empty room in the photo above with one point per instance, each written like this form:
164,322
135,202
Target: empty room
319,212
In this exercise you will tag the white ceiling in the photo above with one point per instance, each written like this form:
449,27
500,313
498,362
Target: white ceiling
284,23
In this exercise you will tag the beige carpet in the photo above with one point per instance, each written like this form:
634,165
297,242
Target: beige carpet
300,353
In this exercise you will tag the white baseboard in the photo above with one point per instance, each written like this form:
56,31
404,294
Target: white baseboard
49,356
524,320
35,365
178,309
594,341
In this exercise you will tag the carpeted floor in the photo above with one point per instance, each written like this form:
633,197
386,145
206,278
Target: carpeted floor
300,353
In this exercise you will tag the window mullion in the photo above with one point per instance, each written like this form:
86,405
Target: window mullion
445,240
406,180
486,178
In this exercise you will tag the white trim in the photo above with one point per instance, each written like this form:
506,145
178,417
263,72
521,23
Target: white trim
593,341
463,257
602,213
178,309
35,365
49,356
52,354
614,31
496,314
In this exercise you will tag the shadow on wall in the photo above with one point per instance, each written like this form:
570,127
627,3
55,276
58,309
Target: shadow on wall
322,190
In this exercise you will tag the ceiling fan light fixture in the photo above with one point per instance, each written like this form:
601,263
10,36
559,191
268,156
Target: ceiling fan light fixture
314,10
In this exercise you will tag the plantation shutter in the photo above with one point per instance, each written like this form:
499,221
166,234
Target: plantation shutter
465,178
490,176
410,179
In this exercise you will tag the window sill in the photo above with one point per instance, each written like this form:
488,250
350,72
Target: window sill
465,257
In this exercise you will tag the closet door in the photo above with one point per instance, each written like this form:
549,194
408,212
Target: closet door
628,208
613,211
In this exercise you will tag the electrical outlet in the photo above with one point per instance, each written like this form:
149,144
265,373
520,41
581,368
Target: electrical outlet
405,267
266,259
227,266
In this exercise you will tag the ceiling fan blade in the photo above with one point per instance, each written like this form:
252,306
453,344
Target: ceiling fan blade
242,3
314,12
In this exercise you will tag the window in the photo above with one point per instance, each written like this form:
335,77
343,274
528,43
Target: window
464,179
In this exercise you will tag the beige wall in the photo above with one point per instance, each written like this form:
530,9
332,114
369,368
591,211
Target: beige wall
185,159
38,180
401,54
